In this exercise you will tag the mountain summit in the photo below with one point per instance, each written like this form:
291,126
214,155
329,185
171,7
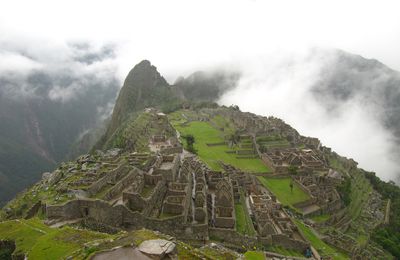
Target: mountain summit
139,90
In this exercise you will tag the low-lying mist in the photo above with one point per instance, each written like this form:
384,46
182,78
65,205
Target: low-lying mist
338,97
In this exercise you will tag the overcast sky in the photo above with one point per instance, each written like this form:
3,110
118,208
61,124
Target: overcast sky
180,37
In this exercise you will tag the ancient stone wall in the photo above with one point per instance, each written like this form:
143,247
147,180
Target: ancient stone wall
174,205
33,210
151,179
114,174
156,198
172,150
134,201
231,236
133,178
168,173
287,242
67,211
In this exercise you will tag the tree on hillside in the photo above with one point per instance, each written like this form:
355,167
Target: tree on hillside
190,140
234,138
292,170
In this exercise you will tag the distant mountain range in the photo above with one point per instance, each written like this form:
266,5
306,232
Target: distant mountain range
38,132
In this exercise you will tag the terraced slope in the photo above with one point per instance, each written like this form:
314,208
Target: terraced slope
210,142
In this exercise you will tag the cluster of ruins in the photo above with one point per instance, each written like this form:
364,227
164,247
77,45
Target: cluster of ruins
176,194
170,190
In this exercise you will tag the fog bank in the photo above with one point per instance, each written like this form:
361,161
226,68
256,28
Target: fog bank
287,86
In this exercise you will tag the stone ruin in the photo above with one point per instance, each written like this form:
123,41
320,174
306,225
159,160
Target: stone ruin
322,190
178,195
173,192
224,212
161,143
305,160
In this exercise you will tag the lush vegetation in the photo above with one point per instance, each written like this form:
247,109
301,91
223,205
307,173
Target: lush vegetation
284,251
359,193
254,255
39,241
344,190
388,236
321,218
190,140
280,187
323,248
272,142
204,133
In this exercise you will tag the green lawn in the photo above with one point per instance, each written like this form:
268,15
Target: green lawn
254,255
321,218
244,224
284,251
205,133
281,189
323,248
42,242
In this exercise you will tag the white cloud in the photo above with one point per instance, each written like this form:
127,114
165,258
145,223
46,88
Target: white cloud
283,85
178,35
14,62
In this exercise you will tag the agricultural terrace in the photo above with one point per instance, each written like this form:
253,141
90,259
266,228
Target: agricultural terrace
280,187
42,242
214,132
324,249
272,142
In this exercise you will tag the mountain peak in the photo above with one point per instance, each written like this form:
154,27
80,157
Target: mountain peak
143,87
144,75
146,63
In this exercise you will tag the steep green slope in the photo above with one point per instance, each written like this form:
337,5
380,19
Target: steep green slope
39,242
388,236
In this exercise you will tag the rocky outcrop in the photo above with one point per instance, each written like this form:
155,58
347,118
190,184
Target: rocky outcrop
157,248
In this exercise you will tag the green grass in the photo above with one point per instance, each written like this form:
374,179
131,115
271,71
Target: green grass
321,218
146,192
244,224
283,251
39,241
204,133
280,187
360,190
222,123
277,143
323,248
254,255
